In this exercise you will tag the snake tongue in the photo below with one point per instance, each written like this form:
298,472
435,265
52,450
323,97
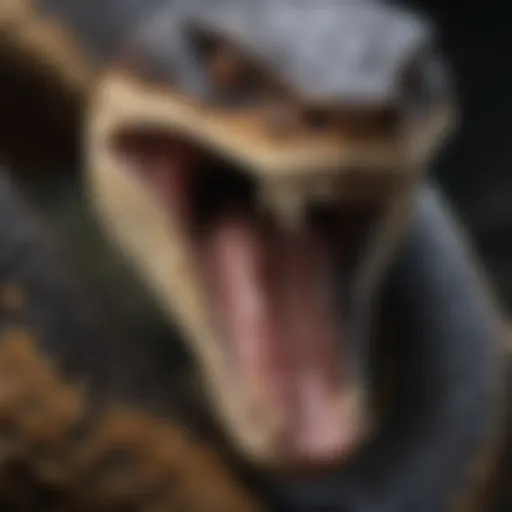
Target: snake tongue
274,302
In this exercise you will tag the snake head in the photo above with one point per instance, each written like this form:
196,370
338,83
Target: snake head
257,163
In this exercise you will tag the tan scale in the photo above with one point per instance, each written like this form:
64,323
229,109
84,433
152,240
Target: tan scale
42,41
43,410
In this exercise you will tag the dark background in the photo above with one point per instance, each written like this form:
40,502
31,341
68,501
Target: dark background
476,169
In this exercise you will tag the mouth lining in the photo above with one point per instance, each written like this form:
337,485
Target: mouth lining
218,207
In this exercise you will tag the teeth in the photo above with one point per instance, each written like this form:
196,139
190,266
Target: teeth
287,202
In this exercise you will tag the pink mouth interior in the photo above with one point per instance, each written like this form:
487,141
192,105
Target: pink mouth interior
273,294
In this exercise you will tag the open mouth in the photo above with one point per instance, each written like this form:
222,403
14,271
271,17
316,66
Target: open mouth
267,247
281,295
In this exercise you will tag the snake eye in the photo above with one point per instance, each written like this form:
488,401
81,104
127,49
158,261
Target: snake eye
226,68
228,72
235,76
425,81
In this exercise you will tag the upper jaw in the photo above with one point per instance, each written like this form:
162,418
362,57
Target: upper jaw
124,101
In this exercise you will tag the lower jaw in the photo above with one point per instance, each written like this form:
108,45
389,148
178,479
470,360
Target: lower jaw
272,449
